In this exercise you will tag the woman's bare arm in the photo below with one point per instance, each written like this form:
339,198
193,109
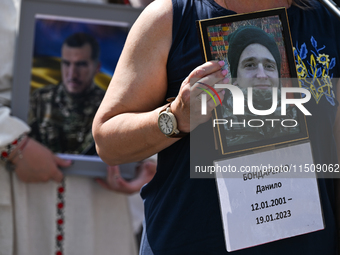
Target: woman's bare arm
125,127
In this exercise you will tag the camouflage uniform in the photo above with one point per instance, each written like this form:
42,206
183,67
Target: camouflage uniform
63,122
262,100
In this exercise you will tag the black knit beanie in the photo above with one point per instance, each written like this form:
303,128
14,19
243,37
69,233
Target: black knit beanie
244,36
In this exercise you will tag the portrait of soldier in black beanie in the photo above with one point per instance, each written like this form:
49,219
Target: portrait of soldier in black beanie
253,54
255,61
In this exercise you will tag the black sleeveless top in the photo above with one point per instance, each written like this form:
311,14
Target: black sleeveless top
182,215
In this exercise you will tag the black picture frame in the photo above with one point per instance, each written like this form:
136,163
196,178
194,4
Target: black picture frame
213,37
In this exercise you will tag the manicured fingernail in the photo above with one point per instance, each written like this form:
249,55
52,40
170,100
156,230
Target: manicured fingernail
226,80
221,63
224,72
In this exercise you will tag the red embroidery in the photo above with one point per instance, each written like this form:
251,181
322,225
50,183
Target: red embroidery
7,149
60,235
4,154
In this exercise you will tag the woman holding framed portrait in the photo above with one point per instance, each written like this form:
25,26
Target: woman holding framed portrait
162,59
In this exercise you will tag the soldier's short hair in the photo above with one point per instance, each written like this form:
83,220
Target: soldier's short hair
78,40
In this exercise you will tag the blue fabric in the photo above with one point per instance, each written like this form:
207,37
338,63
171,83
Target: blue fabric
145,248
182,214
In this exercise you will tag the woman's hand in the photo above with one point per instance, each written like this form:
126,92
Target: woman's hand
187,105
114,181
38,164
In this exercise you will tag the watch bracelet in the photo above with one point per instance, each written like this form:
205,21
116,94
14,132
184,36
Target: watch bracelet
180,134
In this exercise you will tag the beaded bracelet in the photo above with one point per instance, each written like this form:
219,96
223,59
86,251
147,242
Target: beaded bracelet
6,150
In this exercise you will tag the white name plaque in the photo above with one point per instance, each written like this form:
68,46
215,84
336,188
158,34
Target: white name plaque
271,204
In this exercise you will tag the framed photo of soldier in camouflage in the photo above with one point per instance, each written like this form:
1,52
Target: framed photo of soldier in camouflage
73,61
258,109
60,83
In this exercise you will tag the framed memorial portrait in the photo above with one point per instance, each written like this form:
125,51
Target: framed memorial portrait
261,105
66,55
259,129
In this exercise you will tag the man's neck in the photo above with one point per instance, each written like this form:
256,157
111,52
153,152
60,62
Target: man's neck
244,6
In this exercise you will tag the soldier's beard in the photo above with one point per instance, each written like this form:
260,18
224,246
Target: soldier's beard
78,95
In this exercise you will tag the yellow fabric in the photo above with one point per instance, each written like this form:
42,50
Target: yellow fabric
46,70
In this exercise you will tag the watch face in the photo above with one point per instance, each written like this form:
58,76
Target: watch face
165,123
